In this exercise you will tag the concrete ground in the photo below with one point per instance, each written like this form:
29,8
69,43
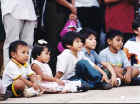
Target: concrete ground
124,94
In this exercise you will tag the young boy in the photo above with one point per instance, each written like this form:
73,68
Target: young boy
17,71
132,46
117,58
89,39
71,66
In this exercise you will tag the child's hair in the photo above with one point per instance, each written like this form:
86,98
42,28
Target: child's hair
113,33
136,23
69,38
38,48
13,46
86,32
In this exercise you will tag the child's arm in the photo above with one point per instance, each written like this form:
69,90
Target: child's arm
38,71
104,78
111,70
128,75
59,75
27,82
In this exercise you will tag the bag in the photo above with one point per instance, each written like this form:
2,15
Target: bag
71,25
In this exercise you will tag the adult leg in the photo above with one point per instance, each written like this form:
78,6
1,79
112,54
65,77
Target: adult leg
12,28
27,33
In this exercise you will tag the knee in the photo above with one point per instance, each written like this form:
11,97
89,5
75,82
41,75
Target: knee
82,62
19,84
118,70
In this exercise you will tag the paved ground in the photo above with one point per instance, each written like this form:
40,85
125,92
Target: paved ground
116,95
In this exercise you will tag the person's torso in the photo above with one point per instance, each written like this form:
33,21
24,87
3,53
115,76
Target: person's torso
86,3
19,9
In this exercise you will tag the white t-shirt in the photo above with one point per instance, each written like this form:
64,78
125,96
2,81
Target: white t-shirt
86,3
45,68
20,9
66,62
13,71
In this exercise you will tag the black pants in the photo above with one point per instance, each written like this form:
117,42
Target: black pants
90,17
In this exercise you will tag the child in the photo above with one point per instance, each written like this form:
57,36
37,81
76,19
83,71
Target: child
71,67
117,58
89,38
41,56
132,46
17,71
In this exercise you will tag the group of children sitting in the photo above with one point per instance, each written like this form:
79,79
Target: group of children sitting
79,68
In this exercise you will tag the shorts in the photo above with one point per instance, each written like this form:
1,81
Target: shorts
11,92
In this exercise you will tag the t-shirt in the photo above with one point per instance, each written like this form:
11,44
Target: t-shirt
45,68
93,57
119,59
86,3
132,47
14,71
66,62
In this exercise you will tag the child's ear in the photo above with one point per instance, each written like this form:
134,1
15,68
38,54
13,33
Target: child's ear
13,54
108,41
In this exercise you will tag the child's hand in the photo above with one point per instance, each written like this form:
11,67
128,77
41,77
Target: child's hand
60,82
127,76
36,86
105,78
114,80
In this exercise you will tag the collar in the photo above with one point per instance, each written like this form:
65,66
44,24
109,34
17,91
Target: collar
86,52
18,64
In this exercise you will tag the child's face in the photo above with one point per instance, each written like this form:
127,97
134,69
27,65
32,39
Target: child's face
116,43
90,42
21,55
44,56
77,44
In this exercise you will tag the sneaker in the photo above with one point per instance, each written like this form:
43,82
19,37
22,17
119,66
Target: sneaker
82,89
106,86
118,82
3,97
30,92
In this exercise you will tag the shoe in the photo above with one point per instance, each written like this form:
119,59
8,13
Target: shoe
135,81
118,82
82,89
3,97
30,92
106,86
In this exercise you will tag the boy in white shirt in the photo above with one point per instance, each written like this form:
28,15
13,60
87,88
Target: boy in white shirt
17,72
69,61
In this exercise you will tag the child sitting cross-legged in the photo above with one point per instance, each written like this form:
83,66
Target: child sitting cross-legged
114,55
18,77
41,57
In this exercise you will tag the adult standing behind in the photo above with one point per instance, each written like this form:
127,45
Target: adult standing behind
19,21
89,14
120,15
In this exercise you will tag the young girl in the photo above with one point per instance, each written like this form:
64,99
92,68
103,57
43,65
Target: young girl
41,56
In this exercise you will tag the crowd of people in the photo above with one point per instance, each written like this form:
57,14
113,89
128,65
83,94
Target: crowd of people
103,53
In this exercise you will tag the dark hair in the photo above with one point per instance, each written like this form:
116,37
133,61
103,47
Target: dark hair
13,46
69,37
136,23
113,33
86,32
38,48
